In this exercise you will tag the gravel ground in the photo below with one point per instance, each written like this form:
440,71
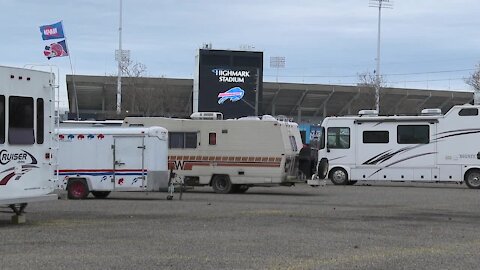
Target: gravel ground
378,226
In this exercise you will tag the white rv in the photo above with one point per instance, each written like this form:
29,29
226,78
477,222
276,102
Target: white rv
430,147
105,159
26,124
230,155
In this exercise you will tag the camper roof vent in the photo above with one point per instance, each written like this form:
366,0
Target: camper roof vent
206,116
435,111
368,113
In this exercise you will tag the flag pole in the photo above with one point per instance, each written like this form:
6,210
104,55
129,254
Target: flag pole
73,73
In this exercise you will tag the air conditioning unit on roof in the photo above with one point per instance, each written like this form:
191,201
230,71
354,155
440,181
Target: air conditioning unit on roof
206,116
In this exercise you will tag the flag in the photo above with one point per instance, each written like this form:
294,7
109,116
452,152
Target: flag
52,31
57,49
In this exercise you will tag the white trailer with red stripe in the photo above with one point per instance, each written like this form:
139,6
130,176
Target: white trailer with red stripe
99,160
26,124
231,155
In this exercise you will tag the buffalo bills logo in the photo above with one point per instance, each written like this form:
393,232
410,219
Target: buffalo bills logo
100,136
81,137
70,136
61,137
120,181
234,94
90,136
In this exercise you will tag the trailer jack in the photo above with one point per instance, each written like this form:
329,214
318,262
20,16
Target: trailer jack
19,210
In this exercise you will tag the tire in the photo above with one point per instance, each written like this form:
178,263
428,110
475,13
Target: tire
339,176
240,188
472,179
322,169
222,184
101,194
77,189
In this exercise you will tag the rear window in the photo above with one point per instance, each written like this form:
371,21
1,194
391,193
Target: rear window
20,120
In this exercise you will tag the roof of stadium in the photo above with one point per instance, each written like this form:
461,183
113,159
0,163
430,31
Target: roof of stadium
302,102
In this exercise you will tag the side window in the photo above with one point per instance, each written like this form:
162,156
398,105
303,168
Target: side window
40,121
212,138
190,140
468,112
20,120
2,119
413,134
182,140
375,137
338,137
176,140
293,144
322,138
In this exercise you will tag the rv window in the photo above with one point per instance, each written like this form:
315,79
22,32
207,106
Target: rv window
293,143
375,137
322,138
468,112
338,137
176,140
212,138
191,140
2,119
40,121
20,120
419,134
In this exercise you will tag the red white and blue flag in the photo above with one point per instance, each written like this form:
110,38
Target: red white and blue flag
57,49
52,31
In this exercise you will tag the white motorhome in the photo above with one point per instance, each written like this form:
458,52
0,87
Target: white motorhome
105,159
26,124
429,147
230,155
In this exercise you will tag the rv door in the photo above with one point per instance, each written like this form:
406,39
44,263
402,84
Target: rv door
128,168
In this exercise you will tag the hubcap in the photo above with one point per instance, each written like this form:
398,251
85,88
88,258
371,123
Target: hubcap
474,179
221,184
339,176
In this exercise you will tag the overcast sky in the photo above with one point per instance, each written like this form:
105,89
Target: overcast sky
425,44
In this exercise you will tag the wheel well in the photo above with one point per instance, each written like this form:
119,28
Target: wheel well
215,175
469,171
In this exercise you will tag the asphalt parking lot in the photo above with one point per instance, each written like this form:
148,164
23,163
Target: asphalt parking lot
378,226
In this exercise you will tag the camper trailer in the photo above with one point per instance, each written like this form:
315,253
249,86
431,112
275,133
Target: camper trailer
430,147
26,124
104,159
230,155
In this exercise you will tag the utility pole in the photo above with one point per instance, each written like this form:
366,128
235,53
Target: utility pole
277,62
379,4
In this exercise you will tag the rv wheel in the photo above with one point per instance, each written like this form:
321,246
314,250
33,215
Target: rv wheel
77,189
222,184
339,176
472,179
101,194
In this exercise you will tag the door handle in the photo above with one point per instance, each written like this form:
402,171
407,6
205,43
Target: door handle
119,163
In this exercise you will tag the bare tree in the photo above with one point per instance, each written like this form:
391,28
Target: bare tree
474,82
474,79
367,79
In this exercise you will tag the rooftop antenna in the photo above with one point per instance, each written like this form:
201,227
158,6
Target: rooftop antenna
379,4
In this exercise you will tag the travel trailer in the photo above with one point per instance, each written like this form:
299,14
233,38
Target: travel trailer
230,155
430,147
26,123
104,159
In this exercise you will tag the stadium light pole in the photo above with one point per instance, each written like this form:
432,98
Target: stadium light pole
277,62
119,57
379,4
